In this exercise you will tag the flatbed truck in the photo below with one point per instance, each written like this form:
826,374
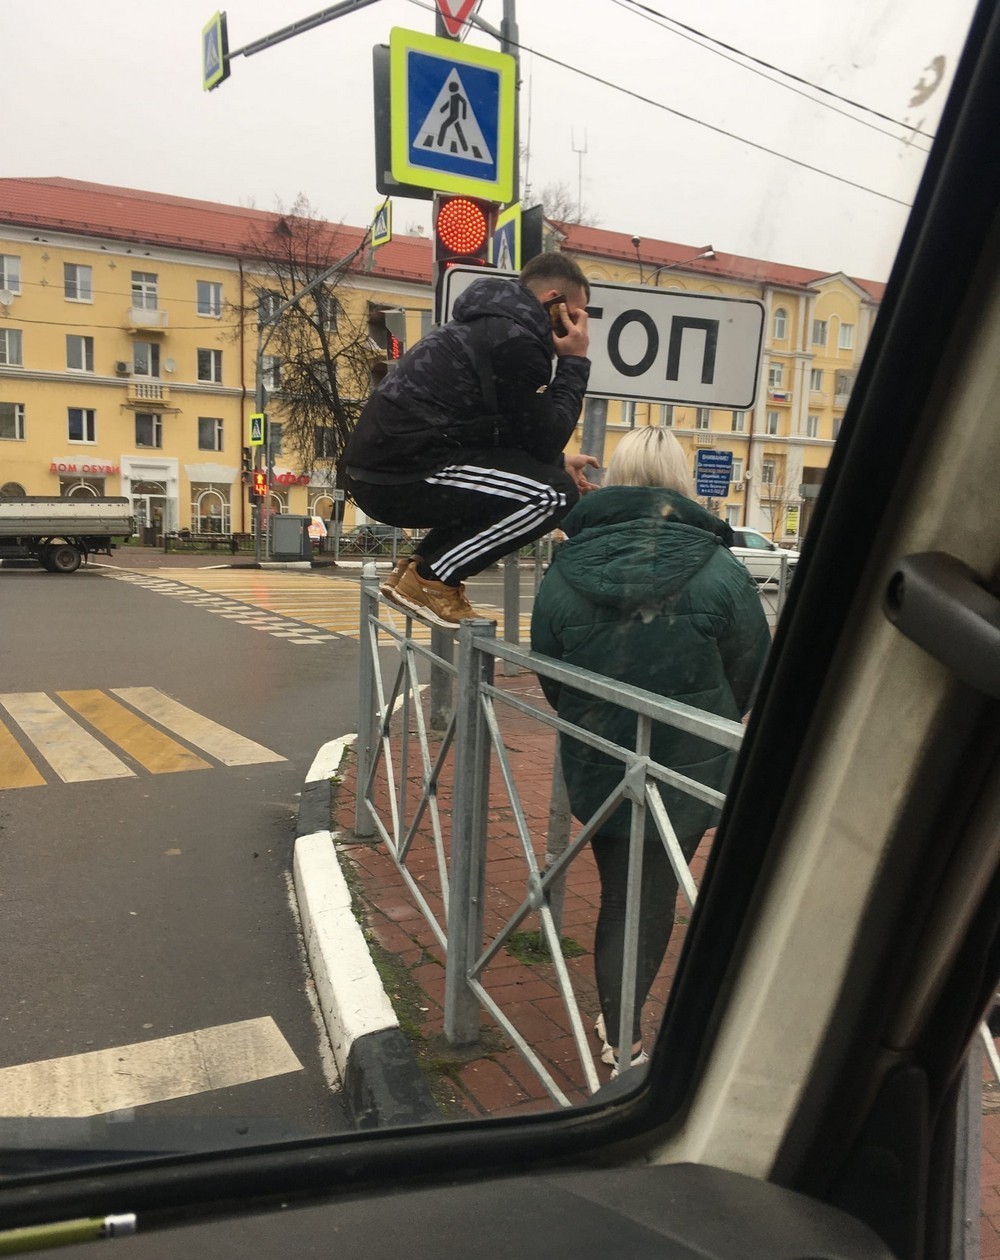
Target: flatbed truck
61,533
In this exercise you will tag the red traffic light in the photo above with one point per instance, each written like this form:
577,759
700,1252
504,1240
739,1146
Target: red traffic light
462,226
258,483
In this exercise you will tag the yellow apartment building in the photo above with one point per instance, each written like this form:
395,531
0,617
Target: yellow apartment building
128,341
816,327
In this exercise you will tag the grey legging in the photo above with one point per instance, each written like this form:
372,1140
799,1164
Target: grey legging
656,922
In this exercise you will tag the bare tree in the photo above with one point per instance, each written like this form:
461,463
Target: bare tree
776,499
320,355
562,207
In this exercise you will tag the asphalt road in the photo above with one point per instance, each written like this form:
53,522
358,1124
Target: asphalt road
150,913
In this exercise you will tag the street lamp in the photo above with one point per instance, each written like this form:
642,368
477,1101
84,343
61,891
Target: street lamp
707,252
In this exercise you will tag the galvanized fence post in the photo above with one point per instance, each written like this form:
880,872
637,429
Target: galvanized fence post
364,826
442,648
469,826
511,606
557,838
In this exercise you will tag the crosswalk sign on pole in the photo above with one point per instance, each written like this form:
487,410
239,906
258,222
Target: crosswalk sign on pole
214,53
505,250
257,428
382,225
452,116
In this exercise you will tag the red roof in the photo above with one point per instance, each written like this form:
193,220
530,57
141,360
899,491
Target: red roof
127,214
599,243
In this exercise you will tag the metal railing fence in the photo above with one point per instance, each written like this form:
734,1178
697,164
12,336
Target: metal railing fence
407,816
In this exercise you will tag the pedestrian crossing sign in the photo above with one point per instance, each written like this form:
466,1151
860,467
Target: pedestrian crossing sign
382,225
452,116
214,53
505,249
257,427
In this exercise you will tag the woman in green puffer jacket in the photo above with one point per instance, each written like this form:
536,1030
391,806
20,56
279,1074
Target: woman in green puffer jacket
645,590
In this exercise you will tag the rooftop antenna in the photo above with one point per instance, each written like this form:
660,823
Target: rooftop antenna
579,172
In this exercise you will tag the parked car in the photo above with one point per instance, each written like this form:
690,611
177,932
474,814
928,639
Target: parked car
762,556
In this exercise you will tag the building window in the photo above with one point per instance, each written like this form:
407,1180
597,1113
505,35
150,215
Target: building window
144,290
210,366
145,358
667,415
768,468
11,350
11,422
81,487
702,418
270,366
267,305
837,421
842,384
82,424
79,353
845,339
209,298
733,514
209,434
739,421
812,426
78,282
327,310
326,442
737,470
10,272
816,379
819,332
775,375
780,324
149,430
210,508
626,412
772,422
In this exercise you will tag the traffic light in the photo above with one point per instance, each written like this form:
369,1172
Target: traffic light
387,331
247,463
463,229
258,483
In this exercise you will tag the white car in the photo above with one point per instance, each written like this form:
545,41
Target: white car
761,556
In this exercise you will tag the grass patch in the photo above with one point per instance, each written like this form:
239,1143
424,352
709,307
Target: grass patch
530,948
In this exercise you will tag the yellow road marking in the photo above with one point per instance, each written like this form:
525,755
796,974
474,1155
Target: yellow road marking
73,753
16,769
156,752
216,740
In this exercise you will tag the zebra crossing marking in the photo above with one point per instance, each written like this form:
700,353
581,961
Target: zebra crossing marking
63,739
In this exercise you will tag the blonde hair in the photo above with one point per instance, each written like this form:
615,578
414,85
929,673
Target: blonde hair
649,457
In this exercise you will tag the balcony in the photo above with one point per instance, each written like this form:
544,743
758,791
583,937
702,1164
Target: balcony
779,395
704,439
841,400
141,319
148,394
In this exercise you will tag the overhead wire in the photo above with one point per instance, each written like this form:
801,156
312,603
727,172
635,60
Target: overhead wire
702,40
698,122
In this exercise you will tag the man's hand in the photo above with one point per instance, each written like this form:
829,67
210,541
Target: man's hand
576,339
575,464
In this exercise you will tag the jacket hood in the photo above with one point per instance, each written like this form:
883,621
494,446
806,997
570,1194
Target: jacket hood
636,547
493,296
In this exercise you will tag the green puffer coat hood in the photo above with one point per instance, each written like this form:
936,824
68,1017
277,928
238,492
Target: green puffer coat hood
644,590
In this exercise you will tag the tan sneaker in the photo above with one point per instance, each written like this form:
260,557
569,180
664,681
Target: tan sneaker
390,581
433,601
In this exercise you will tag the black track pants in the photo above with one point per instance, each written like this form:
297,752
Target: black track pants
478,509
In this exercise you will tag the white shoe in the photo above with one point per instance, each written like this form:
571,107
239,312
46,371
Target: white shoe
637,1061
607,1054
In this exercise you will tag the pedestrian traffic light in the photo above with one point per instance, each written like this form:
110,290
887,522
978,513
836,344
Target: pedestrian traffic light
258,483
463,229
247,462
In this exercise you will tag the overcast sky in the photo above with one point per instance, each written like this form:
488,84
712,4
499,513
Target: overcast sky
110,91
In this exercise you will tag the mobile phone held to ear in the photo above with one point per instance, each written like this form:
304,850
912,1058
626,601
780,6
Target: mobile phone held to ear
555,319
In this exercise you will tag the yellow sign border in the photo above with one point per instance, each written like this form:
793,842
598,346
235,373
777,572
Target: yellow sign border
385,237
261,416
512,214
401,43
223,71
